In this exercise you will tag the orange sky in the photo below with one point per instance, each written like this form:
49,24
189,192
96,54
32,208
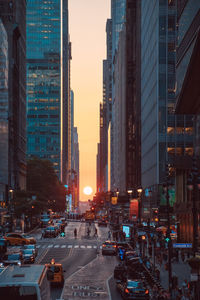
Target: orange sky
87,28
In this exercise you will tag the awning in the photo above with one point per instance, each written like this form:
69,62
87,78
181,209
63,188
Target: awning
189,98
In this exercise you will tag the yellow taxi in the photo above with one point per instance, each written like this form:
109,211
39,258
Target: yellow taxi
19,239
55,273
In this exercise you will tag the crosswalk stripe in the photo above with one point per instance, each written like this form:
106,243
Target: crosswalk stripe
94,247
63,246
38,246
56,246
50,246
100,247
89,247
69,246
82,246
76,246
44,246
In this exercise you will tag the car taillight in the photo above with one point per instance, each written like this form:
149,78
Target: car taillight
126,291
147,291
114,246
103,245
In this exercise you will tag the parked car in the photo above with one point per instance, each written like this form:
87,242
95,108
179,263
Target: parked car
28,256
3,246
14,258
109,247
50,232
120,271
19,239
32,247
132,289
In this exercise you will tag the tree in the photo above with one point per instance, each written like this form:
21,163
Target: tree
43,182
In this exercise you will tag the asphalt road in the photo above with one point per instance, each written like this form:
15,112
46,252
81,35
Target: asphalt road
88,274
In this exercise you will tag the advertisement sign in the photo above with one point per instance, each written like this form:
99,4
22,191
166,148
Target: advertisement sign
126,230
133,209
162,194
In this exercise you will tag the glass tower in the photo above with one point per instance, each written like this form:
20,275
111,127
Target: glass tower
48,82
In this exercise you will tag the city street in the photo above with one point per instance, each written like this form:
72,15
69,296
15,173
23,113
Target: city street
87,272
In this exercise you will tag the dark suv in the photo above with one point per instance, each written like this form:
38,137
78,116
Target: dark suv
50,232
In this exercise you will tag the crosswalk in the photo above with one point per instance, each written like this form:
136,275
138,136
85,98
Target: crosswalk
67,246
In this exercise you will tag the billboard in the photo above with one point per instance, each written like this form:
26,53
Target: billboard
162,196
133,209
126,230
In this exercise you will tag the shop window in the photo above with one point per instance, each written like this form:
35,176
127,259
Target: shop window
189,151
170,130
171,150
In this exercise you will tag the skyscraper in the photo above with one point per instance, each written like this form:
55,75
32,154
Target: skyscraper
48,91
165,137
13,110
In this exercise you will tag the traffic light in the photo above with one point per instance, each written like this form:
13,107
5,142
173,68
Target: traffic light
155,215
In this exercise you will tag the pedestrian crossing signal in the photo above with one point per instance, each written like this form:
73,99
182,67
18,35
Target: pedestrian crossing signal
62,234
167,239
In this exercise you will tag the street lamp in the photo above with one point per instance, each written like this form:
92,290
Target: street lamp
139,190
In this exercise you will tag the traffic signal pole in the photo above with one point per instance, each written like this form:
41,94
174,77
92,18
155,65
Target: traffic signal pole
169,243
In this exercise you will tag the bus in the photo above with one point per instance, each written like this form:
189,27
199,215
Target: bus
28,282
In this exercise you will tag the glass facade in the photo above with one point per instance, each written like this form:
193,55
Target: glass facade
3,111
47,82
164,134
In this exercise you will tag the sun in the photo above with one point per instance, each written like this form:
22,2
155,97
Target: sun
87,190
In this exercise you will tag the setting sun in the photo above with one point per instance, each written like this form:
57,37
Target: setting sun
87,190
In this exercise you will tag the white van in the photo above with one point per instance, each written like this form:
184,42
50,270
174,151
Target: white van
25,282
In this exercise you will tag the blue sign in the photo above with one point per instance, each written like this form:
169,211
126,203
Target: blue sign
126,229
182,245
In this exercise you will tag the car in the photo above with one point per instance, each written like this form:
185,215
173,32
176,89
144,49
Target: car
129,254
120,271
109,247
14,258
28,256
50,232
55,273
32,247
102,223
19,239
133,289
3,246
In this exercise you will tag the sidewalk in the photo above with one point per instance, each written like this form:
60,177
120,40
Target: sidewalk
179,269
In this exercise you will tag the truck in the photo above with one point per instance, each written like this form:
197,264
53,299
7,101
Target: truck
28,282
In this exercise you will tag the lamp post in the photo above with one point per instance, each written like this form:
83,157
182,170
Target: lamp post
168,237
139,190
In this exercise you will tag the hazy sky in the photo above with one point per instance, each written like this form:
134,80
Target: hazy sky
87,28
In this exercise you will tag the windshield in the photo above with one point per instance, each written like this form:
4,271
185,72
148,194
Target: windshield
134,284
27,251
18,293
12,257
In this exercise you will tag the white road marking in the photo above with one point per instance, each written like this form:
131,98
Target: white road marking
50,246
63,246
89,247
94,247
38,246
82,246
44,246
76,246
56,246
69,246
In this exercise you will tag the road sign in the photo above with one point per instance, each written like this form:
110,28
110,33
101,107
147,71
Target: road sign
182,245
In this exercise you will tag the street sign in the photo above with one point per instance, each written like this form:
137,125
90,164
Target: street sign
182,245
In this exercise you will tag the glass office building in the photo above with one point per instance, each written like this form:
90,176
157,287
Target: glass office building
165,137
48,82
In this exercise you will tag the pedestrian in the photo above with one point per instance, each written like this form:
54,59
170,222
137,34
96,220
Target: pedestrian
88,232
95,232
75,233
109,235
